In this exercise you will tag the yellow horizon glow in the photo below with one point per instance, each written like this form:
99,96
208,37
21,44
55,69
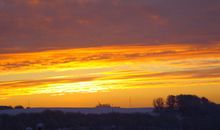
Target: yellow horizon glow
112,70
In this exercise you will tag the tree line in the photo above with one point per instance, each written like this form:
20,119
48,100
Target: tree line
10,107
176,112
186,105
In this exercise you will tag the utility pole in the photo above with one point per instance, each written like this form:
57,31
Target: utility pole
130,101
28,102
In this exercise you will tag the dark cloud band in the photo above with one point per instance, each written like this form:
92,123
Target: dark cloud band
32,25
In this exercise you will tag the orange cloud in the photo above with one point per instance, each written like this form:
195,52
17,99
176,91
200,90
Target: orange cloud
108,68
78,58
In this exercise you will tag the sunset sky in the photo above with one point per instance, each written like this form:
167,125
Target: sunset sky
78,53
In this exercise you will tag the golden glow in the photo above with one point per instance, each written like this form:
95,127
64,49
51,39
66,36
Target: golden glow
110,70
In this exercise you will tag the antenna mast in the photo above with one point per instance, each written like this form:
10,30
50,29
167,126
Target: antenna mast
130,101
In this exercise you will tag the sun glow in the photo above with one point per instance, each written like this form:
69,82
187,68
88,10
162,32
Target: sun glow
80,87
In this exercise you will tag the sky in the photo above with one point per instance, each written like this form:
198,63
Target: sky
78,53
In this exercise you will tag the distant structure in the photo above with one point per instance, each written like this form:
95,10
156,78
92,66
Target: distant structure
105,106
19,107
6,107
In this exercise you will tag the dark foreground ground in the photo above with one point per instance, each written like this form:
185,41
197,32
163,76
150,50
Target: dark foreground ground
57,120
181,112
78,110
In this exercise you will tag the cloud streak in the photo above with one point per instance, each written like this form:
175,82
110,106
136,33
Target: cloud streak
108,68
78,58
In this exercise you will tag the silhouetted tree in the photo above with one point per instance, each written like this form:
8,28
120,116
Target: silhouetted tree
191,105
171,102
187,105
158,104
